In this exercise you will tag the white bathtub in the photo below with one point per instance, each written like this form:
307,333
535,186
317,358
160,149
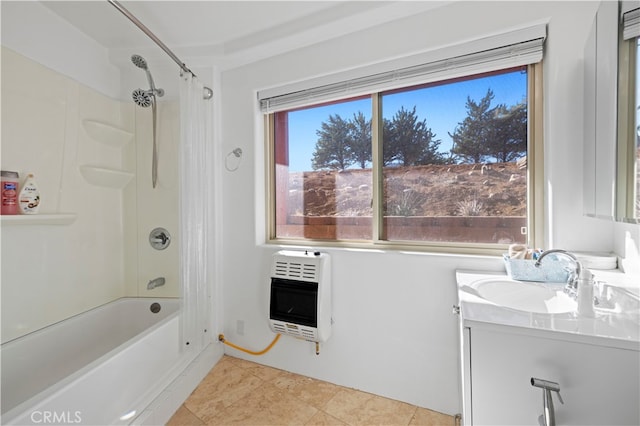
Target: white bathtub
101,367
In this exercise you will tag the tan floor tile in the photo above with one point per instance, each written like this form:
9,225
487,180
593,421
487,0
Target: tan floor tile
360,408
220,369
241,392
220,388
267,406
239,362
424,417
184,417
323,419
315,392
264,372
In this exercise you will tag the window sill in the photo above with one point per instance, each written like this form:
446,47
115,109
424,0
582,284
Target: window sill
408,247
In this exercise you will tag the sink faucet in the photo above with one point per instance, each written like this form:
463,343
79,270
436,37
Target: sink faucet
579,284
572,282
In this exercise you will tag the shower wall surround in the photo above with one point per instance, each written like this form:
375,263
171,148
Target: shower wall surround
156,207
51,272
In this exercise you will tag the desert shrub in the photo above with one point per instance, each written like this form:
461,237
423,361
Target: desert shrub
469,207
409,203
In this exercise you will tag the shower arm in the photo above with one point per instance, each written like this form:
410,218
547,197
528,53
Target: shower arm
208,92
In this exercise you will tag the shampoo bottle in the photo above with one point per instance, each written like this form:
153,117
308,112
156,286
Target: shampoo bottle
9,192
29,196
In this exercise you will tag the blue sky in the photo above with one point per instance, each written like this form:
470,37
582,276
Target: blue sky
443,107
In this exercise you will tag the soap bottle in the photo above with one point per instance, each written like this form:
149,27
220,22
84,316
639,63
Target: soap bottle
29,198
585,294
9,192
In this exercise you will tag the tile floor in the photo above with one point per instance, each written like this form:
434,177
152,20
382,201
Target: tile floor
239,392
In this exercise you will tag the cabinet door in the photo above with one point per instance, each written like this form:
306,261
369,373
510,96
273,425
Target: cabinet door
599,385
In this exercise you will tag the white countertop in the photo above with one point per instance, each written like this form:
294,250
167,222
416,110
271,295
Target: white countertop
620,330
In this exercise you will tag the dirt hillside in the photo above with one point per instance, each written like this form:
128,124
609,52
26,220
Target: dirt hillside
497,189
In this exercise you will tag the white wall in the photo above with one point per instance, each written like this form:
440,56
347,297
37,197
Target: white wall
394,333
36,32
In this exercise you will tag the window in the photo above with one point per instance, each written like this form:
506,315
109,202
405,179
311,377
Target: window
323,171
445,164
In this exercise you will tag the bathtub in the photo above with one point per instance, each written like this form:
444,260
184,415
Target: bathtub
103,366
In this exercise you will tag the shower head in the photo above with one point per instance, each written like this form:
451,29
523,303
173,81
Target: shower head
141,63
143,98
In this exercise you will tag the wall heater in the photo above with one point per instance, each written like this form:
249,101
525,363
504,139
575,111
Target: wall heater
300,302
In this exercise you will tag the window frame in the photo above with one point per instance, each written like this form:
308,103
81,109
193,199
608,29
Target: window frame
626,145
535,186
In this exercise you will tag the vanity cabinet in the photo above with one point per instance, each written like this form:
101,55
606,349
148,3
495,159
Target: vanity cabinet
599,383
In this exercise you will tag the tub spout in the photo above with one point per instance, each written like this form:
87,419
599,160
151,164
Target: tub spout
155,283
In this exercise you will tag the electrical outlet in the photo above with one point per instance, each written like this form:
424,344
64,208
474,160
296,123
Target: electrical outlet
240,327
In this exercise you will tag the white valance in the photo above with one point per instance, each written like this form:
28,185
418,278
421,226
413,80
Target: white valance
631,24
506,50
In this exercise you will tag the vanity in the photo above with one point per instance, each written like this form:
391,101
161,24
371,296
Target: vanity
512,331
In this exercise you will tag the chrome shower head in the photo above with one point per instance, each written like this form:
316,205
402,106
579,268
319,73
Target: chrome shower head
141,63
142,98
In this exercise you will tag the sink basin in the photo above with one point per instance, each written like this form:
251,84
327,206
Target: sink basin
525,296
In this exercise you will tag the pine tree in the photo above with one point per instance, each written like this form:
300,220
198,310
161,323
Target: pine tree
409,141
360,129
472,137
333,147
509,139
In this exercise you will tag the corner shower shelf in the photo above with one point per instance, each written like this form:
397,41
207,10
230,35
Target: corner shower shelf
108,178
107,133
39,219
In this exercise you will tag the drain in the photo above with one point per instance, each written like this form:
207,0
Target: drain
155,307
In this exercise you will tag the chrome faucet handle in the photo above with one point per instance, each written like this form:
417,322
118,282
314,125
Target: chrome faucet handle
159,238
571,287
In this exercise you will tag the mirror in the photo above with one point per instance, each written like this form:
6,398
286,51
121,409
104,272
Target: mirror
611,123
600,106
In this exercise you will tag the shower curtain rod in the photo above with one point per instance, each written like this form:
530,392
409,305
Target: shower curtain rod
208,92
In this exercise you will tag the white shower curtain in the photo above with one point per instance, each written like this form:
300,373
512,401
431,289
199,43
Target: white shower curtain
196,115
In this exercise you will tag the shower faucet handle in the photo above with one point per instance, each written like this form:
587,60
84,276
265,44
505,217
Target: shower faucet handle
159,238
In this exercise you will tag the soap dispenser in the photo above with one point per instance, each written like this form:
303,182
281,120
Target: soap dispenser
585,294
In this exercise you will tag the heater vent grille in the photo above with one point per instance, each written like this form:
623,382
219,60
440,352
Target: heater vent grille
299,270
299,331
